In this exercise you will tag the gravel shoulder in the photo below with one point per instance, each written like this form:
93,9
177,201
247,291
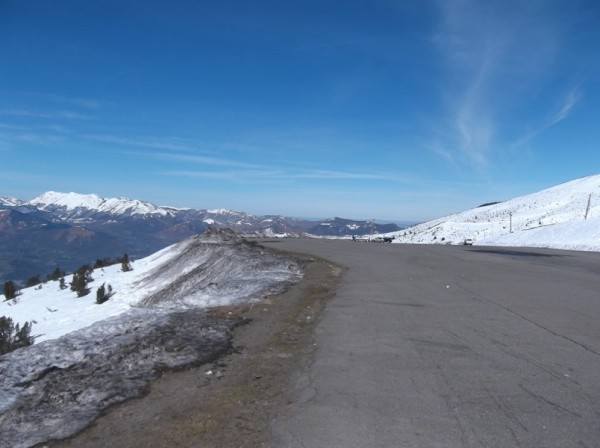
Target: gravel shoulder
228,403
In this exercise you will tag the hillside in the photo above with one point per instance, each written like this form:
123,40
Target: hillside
206,270
564,216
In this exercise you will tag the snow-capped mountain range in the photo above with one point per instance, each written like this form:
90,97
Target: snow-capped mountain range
69,229
78,208
566,216
74,202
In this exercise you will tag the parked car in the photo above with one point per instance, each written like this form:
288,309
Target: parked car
374,239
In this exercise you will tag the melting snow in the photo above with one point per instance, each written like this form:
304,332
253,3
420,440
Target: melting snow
89,356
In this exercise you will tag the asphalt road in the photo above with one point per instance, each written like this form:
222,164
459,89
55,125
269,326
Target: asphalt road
447,346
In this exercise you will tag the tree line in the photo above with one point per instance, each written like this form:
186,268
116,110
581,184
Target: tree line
81,276
14,336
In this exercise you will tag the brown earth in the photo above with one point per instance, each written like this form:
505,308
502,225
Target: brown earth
228,403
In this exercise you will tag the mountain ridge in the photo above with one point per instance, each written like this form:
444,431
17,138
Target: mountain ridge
114,206
107,227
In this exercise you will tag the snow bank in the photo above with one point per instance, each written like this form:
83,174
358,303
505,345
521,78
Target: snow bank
572,235
91,356
206,270
55,389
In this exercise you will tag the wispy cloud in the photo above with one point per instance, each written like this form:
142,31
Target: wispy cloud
85,103
230,163
571,100
560,114
197,159
11,127
339,175
267,174
32,113
233,175
494,54
20,138
172,149
163,143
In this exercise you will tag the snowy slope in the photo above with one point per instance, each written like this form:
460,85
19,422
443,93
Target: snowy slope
555,217
113,206
89,357
198,272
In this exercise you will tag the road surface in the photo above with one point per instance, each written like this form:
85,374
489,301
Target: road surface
447,346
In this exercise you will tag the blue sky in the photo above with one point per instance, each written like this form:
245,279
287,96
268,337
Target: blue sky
394,110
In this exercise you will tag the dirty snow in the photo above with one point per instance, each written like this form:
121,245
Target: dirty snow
197,272
88,356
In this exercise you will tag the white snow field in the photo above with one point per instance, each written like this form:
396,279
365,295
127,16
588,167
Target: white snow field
566,216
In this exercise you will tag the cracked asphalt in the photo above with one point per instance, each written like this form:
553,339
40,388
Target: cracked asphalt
447,346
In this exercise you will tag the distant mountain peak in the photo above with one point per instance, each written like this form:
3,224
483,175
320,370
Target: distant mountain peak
223,211
69,200
10,201
93,202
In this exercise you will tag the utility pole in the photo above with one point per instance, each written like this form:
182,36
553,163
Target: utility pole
587,209
510,220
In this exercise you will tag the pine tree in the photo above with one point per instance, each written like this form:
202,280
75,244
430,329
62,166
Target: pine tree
61,283
101,295
12,336
10,291
81,277
125,265
32,281
55,275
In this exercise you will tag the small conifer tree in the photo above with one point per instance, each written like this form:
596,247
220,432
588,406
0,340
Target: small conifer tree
103,294
13,336
10,291
55,275
32,281
81,277
125,265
